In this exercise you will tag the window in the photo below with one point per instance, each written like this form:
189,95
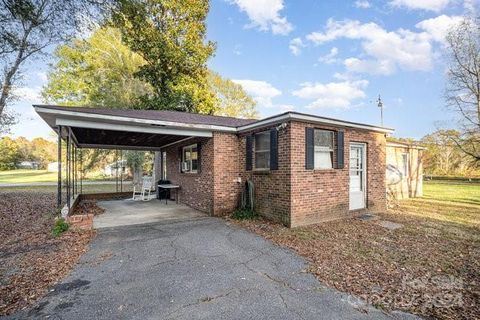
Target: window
190,159
323,149
262,150
404,165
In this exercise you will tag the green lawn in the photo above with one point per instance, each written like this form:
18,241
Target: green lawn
92,188
27,176
452,191
32,176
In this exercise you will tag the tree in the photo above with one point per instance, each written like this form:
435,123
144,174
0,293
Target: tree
98,71
462,93
443,156
170,36
25,151
9,155
232,100
28,28
44,151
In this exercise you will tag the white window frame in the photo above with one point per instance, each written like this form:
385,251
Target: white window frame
323,149
186,165
255,151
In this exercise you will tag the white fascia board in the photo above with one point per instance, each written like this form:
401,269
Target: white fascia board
312,119
131,128
97,117
405,146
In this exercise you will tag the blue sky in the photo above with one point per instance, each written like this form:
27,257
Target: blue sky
330,58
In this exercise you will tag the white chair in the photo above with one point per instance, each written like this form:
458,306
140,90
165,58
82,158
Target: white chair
143,192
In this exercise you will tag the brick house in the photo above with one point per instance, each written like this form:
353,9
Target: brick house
305,168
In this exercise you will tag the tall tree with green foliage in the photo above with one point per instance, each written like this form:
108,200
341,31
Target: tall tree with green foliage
98,71
171,36
27,28
231,99
9,154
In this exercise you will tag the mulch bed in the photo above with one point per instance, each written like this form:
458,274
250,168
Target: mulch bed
428,267
88,207
31,259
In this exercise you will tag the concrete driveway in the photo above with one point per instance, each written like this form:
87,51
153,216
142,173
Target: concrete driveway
197,269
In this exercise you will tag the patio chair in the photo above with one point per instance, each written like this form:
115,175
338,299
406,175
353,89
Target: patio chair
143,192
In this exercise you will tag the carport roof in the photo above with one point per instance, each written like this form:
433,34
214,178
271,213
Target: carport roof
161,115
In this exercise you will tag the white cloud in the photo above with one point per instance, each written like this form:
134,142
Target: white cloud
28,94
431,5
384,51
362,4
265,15
333,94
382,67
438,27
331,57
296,46
261,91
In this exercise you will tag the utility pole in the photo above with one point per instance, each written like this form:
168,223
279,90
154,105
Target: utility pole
380,105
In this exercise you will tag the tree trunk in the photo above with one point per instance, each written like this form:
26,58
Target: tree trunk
8,81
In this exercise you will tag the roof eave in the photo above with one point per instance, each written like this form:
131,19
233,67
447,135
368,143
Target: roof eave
122,119
288,116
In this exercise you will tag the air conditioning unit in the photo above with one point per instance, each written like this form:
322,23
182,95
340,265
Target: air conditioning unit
185,166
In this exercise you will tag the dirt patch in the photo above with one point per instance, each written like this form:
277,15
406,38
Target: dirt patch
31,259
427,267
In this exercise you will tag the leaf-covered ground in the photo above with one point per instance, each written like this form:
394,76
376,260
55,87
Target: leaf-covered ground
31,259
430,266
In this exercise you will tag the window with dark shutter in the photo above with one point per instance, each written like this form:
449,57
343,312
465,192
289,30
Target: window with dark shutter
273,149
309,148
340,150
248,152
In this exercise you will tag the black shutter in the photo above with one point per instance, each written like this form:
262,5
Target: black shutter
309,148
248,152
199,157
340,150
273,149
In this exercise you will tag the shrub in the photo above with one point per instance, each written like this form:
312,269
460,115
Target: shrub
244,214
60,227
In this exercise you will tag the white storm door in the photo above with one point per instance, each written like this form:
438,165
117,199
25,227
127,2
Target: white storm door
357,176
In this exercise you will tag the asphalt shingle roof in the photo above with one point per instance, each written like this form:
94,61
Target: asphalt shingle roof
161,115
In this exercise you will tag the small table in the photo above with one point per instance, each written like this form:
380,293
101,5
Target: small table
170,187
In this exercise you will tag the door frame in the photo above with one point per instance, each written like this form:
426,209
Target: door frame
364,172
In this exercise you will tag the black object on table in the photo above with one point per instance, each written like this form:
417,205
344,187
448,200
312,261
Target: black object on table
169,186
163,193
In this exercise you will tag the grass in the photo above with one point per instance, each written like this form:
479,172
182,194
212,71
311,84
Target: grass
33,176
452,191
92,188
27,176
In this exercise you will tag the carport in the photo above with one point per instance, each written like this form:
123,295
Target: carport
142,130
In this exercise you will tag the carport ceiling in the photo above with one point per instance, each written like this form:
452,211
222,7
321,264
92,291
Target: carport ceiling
110,139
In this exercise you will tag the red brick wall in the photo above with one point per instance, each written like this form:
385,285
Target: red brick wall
272,188
321,195
291,195
196,188
227,169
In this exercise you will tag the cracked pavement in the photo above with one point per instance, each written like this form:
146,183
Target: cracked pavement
195,269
